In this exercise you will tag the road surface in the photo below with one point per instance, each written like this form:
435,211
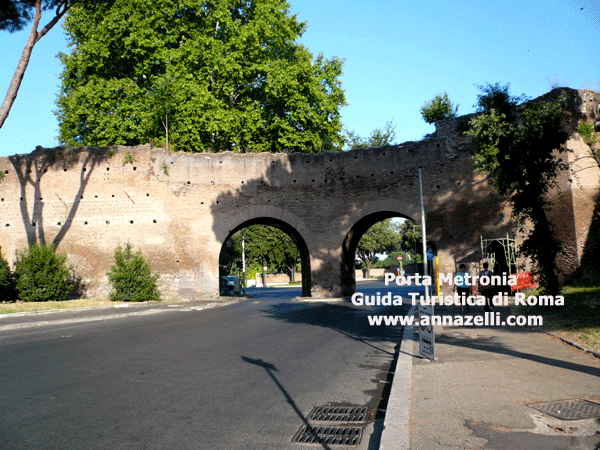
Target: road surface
242,376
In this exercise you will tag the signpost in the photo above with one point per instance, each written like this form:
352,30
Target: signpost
426,332
243,261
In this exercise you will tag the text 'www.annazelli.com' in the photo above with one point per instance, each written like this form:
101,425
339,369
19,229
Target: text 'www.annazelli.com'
488,319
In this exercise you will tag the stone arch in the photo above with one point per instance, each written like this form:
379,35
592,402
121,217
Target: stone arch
226,225
351,240
287,228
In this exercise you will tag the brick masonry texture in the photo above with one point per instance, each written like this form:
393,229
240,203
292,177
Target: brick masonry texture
180,208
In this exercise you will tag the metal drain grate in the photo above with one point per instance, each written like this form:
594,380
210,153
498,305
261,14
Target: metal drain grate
346,436
574,409
338,414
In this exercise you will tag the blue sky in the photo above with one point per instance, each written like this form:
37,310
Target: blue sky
397,55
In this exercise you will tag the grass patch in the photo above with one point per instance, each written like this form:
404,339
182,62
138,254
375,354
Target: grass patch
578,320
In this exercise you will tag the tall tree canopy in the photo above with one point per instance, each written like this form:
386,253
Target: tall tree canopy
265,246
269,246
235,76
381,237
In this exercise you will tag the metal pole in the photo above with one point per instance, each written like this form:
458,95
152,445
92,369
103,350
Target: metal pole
423,231
427,332
415,242
243,261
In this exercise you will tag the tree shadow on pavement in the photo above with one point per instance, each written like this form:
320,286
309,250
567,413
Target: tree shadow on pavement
340,317
351,322
270,368
496,346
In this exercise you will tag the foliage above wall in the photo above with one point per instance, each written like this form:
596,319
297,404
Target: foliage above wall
516,147
196,76
438,108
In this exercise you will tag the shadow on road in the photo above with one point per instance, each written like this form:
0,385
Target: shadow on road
340,317
270,368
352,323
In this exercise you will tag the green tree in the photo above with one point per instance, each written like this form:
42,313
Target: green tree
516,148
243,82
131,277
438,108
269,246
589,136
7,281
381,237
495,97
162,95
42,275
410,239
392,260
378,138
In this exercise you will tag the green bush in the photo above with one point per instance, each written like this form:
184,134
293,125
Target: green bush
586,130
131,277
438,108
42,275
7,281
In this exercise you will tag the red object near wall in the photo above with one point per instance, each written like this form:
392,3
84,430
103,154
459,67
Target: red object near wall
524,280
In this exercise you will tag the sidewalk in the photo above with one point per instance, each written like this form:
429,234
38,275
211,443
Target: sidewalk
475,394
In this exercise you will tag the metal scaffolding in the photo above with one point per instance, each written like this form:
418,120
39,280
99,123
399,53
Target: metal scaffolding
510,252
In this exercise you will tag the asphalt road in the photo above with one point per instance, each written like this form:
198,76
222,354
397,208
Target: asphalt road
242,376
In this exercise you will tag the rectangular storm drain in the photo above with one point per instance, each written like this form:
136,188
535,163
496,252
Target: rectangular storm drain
574,409
338,414
328,435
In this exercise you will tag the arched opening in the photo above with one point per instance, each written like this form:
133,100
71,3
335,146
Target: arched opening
269,243
376,227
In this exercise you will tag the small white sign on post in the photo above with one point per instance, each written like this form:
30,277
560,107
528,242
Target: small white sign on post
426,332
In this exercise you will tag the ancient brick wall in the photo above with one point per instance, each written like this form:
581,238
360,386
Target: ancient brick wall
180,208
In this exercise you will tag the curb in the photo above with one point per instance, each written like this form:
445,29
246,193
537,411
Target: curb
82,308
565,340
572,343
172,306
115,306
396,426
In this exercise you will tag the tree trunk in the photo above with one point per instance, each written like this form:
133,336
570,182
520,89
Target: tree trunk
15,83
368,264
167,128
548,249
34,37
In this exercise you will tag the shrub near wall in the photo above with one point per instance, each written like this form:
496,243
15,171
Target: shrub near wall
7,281
42,275
131,277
